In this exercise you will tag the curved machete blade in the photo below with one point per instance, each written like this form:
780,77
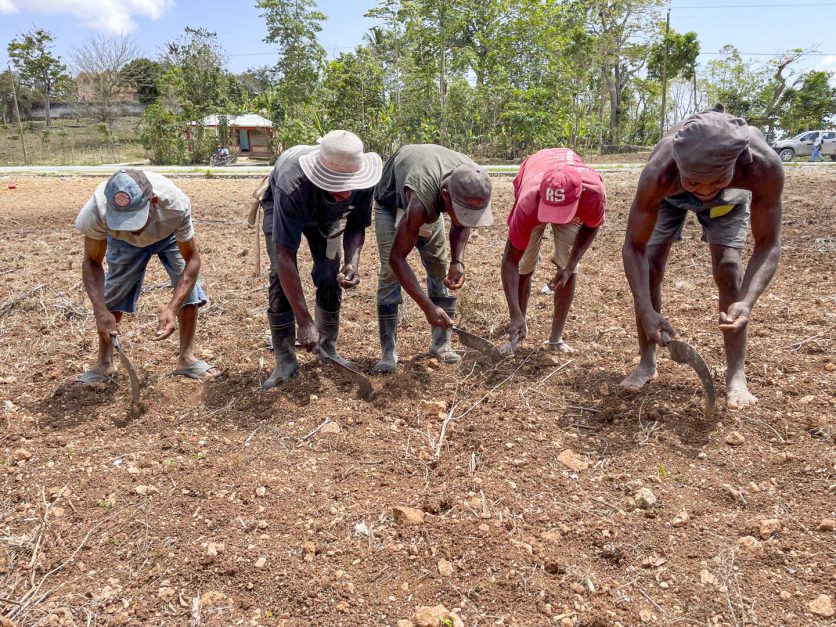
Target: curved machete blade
480,344
684,353
126,364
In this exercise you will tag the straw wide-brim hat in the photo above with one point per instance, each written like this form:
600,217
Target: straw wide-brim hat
340,165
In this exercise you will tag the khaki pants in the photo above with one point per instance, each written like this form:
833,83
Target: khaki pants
564,240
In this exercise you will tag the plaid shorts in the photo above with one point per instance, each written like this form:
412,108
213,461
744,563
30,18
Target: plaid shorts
126,266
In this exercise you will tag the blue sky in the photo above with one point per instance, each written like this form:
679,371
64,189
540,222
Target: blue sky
753,26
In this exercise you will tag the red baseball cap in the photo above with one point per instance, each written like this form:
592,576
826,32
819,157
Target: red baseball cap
560,194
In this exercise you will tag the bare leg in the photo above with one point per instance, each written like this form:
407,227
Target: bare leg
728,275
524,291
104,362
657,259
187,317
562,303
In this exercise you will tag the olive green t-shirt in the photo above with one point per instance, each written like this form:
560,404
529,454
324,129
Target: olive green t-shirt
421,168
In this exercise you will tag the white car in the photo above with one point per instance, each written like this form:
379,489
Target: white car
802,145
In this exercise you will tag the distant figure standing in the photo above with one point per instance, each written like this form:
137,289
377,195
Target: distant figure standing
816,154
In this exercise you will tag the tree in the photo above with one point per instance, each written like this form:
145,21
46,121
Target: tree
809,104
37,66
622,32
99,62
25,98
195,73
144,75
292,25
353,97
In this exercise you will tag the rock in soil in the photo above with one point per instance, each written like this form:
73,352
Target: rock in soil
407,516
769,528
827,524
426,616
748,545
822,606
735,438
681,519
645,499
573,461
445,568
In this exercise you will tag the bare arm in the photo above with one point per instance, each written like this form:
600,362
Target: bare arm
511,285
405,238
640,225
168,317
767,210
458,241
353,241
93,278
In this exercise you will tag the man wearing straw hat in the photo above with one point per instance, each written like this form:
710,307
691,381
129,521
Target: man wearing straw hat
420,182
323,193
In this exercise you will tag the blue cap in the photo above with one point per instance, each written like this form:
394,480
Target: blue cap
128,194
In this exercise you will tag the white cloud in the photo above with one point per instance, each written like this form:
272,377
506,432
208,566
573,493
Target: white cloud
110,16
6,7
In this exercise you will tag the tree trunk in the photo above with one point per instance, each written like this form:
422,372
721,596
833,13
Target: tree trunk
47,115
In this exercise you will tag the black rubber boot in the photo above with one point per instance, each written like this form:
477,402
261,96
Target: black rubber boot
387,325
440,347
328,325
283,332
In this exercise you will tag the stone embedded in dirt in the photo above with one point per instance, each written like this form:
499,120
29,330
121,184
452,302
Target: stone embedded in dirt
212,598
708,578
806,400
407,516
310,550
331,427
21,455
445,568
735,438
645,499
751,546
213,549
260,562
145,490
549,359
405,623
769,528
573,461
646,616
681,519
260,491
628,504
166,593
830,367
784,595
827,524
822,606
426,616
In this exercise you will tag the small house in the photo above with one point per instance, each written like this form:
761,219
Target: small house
249,134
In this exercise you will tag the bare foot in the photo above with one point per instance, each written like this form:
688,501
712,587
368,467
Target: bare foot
559,347
641,375
738,395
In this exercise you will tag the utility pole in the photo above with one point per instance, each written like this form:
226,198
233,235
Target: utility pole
665,78
17,110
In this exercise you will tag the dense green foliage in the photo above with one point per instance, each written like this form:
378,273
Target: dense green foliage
497,79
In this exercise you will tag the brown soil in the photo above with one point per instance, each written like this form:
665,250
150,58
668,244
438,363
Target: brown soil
109,524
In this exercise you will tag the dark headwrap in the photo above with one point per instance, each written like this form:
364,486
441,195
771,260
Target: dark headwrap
708,144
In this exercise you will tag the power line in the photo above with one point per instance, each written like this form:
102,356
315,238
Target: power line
755,6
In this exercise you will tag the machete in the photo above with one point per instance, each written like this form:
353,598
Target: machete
351,374
480,344
126,364
684,353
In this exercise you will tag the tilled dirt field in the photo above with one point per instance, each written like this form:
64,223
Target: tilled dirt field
221,506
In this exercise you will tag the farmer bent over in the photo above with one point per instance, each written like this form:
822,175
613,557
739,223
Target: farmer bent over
723,170
323,192
131,217
420,183
553,187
